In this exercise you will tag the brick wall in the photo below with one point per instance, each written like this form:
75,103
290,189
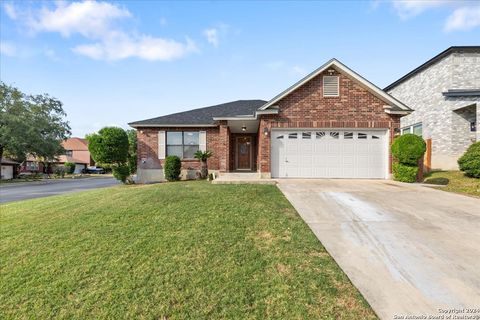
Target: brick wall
356,107
147,148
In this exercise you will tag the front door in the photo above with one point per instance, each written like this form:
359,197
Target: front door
244,153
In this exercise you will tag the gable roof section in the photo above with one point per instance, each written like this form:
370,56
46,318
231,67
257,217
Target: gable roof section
430,62
203,116
396,105
77,144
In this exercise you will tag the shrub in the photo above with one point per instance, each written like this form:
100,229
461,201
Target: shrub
60,171
408,149
404,173
172,168
470,161
69,167
121,172
109,145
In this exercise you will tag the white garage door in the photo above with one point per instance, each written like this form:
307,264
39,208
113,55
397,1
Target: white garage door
317,153
7,172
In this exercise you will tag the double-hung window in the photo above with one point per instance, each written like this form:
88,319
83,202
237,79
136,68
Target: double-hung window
415,129
183,144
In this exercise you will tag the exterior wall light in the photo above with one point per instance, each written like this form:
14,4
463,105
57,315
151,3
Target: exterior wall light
244,128
265,131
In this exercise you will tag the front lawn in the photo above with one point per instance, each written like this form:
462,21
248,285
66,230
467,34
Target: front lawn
454,181
168,251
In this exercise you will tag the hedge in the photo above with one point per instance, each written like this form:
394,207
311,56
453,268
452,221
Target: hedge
470,161
172,168
404,173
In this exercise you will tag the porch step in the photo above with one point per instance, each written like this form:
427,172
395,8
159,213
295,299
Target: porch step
241,178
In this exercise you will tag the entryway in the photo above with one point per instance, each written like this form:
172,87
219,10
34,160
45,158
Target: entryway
243,153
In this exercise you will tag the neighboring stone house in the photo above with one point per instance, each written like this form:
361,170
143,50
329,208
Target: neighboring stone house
331,124
444,93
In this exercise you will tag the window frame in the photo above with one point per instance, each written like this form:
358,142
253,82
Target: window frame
409,129
183,145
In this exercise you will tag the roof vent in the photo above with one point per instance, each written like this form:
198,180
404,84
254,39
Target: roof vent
330,86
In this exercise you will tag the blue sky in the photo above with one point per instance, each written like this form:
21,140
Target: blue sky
111,63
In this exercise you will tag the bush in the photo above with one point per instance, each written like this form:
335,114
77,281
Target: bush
404,173
60,171
121,172
470,161
69,167
109,145
408,149
172,168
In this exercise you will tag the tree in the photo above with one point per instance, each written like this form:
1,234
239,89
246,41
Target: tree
110,147
132,150
203,157
31,124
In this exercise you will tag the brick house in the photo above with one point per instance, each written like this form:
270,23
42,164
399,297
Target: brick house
445,94
331,124
76,151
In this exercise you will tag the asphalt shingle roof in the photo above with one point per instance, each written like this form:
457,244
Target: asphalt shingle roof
205,115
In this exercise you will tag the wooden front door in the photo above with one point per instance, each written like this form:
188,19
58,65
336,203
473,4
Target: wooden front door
244,153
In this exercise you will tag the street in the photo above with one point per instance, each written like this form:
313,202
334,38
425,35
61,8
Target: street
38,189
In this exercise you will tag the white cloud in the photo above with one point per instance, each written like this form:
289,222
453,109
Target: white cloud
463,19
89,18
410,8
145,47
98,21
212,36
8,49
10,11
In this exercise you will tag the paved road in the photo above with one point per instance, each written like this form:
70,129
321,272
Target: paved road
28,190
409,249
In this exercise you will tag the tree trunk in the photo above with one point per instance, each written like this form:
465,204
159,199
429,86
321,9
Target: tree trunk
204,169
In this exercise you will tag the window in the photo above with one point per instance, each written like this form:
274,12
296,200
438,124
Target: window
334,135
330,86
320,134
292,135
183,144
280,137
68,153
417,129
362,136
375,137
348,135
306,135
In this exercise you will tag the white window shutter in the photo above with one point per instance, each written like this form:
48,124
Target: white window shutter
202,137
161,144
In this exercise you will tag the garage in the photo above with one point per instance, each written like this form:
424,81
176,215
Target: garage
329,153
7,172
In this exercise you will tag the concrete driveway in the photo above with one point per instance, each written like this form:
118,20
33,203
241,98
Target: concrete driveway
38,189
409,249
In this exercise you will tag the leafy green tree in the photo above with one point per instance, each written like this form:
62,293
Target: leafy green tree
132,150
109,147
31,124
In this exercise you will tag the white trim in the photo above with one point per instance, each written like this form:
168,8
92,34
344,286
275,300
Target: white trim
334,62
202,140
396,112
234,118
254,117
171,125
387,154
162,145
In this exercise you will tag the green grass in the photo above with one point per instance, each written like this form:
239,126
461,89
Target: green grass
454,181
186,250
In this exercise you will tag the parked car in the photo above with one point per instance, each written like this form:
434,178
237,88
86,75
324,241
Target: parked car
95,170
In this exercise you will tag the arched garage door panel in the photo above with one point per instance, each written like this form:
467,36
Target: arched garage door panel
329,154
